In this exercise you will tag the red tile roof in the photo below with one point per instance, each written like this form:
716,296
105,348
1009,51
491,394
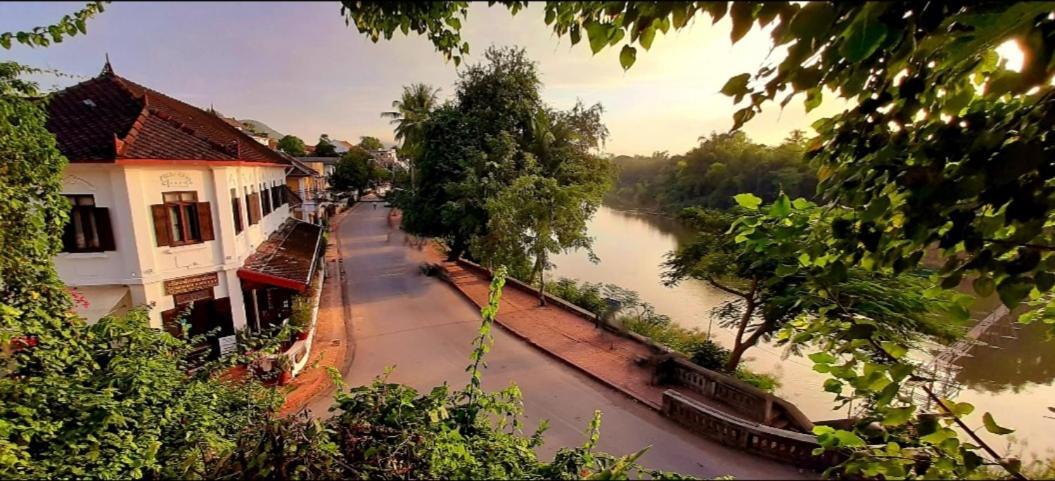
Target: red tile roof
287,258
108,118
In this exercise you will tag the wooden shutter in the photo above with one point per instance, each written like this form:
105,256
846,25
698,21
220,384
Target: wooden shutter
205,221
161,224
69,237
221,314
104,229
169,322
255,210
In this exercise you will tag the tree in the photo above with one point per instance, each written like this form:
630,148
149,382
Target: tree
325,147
539,217
942,145
292,145
355,171
370,143
756,256
409,115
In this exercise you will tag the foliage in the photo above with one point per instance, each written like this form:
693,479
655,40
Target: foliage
69,25
325,147
765,259
409,115
292,145
300,316
391,431
370,143
355,171
709,175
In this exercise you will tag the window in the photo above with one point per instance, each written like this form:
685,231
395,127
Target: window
88,229
236,210
276,196
182,220
252,206
267,198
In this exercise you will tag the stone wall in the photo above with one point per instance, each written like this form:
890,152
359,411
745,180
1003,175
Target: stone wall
779,444
746,400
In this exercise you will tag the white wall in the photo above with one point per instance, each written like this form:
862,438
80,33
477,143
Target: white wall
138,261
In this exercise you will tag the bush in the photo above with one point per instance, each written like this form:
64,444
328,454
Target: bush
709,354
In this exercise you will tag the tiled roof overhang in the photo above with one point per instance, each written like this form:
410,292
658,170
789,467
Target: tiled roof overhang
288,258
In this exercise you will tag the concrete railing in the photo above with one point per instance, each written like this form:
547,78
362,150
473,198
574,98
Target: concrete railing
779,444
746,400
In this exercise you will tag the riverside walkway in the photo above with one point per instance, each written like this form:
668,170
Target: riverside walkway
424,328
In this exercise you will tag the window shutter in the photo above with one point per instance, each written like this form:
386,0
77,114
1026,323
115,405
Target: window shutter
69,242
205,221
221,310
254,208
105,230
169,322
161,224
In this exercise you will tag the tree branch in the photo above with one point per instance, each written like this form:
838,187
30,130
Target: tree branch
959,422
727,289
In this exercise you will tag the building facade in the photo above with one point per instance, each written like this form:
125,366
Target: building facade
174,209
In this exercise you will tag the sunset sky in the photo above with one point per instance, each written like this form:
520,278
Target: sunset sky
299,69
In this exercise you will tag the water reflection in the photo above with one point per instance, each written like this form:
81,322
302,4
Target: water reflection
1015,382
1013,357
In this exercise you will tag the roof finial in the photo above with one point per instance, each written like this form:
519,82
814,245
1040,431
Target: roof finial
107,69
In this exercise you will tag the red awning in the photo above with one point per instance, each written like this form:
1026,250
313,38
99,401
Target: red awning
288,258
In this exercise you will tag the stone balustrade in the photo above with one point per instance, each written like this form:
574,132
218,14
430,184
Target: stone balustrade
779,444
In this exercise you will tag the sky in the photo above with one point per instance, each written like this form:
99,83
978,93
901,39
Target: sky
298,68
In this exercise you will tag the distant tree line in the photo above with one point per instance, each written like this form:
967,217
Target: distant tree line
709,175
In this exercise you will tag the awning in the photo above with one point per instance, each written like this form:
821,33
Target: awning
287,258
100,301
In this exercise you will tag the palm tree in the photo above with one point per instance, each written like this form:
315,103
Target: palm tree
410,113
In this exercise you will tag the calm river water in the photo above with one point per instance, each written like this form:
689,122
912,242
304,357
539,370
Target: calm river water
1013,377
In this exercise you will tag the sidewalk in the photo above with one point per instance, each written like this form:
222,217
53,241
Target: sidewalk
330,348
607,357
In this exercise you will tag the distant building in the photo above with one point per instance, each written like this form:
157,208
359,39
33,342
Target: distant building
388,159
175,208
306,184
342,146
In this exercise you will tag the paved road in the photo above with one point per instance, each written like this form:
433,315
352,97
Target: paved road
424,328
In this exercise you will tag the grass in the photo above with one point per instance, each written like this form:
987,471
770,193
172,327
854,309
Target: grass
641,318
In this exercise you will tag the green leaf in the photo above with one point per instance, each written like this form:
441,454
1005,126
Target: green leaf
748,201
822,358
938,436
597,33
1013,290
741,13
894,349
862,37
983,286
627,56
813,98
781,207
897,416
736,86
646,36
993,427
848,439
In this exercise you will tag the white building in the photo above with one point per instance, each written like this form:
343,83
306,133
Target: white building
175,209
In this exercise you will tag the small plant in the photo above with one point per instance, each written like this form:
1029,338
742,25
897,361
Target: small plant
709,354
300,318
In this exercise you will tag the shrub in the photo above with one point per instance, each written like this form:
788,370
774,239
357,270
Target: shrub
709,354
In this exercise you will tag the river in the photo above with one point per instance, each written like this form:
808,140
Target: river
1013,376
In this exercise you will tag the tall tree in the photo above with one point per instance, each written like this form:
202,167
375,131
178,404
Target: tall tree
292,145
355,171
409,115
325,147
370,143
